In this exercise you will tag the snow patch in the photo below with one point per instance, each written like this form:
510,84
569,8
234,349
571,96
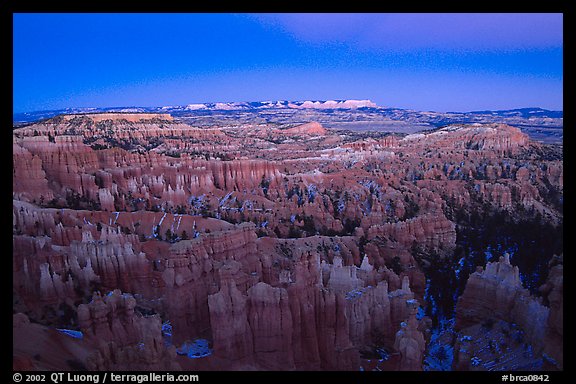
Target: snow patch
71,333
196,349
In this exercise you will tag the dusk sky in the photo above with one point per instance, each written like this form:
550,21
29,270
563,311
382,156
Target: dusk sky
432,62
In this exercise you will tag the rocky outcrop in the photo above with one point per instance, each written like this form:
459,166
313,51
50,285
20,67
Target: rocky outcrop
231,333
42,276
341,278
501,138
496,293
410,342
312,129
306,325
433,232
83,178
370,144
29,180
271,322
51,274
370,315
37,347
124,339
554,336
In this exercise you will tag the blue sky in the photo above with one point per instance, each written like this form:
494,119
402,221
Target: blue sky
435,62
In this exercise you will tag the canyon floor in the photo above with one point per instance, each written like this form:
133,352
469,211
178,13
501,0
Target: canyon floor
142,241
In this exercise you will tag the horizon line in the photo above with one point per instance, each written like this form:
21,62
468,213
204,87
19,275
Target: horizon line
277,101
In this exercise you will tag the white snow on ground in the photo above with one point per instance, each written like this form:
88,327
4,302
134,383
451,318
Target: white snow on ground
440,355
71,333
162,219
195,349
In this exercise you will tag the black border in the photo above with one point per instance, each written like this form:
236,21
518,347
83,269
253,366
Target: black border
550,6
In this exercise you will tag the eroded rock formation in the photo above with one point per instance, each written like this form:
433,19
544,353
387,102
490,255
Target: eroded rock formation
285,247
124,340
496,294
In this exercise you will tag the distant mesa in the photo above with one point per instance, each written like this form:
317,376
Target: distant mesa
194,107
339,104
527,113
308,104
